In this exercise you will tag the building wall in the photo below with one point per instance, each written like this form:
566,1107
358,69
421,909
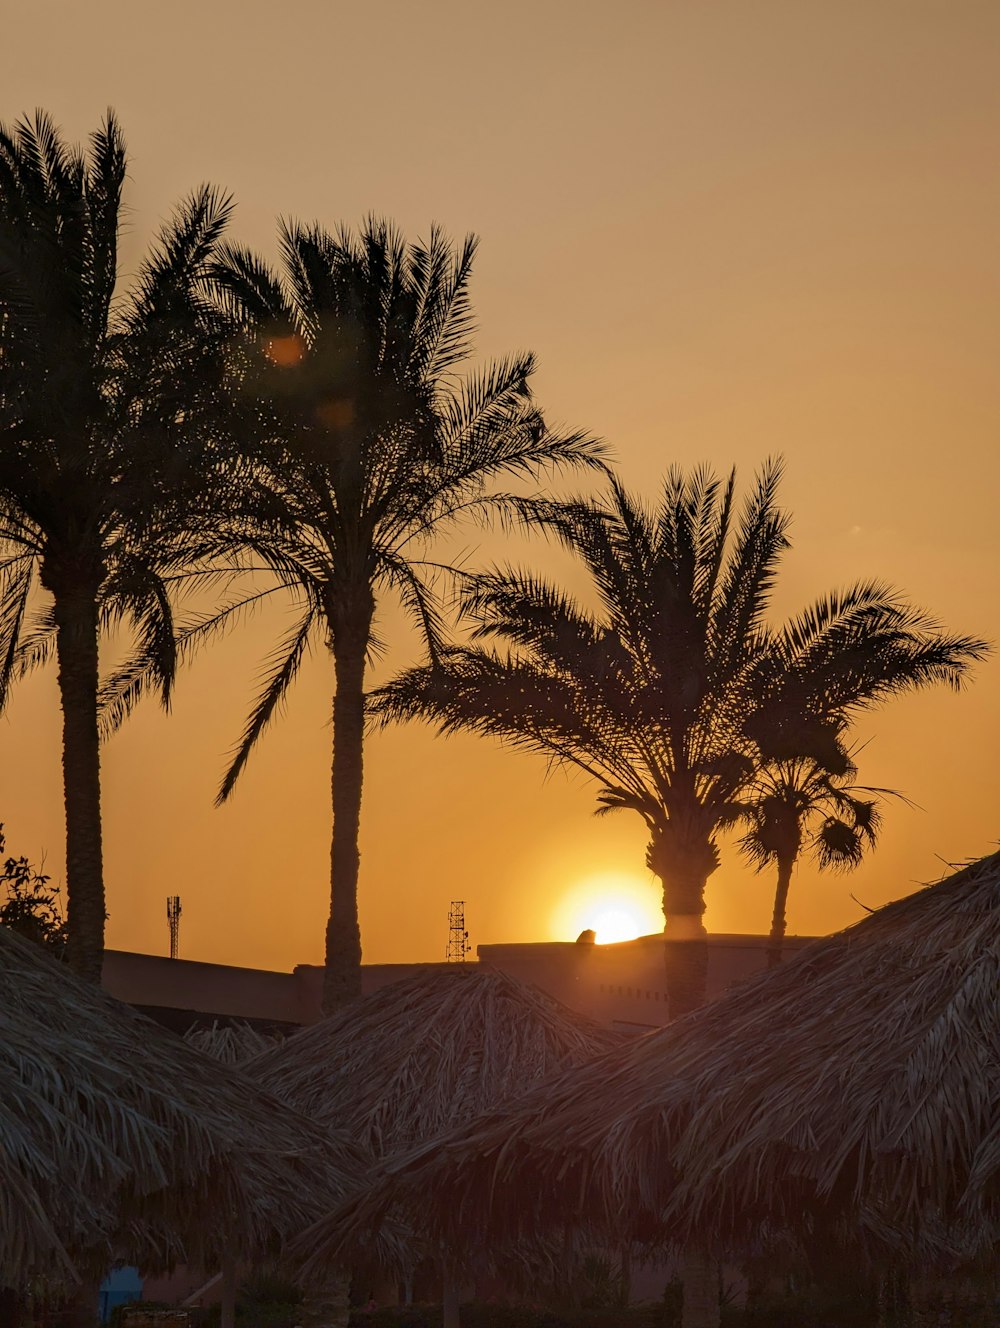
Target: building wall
623,984
221,989
309,979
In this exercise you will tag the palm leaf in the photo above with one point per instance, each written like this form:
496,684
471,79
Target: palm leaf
15,589
285,663
123,689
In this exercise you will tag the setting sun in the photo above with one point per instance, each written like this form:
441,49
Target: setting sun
617,907
617,924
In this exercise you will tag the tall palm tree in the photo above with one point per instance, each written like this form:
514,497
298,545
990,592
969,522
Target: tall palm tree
801,803
103,406
669,694
368,442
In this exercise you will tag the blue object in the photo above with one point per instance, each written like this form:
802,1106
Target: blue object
122,1286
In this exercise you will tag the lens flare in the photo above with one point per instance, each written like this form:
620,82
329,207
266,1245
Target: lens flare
284,351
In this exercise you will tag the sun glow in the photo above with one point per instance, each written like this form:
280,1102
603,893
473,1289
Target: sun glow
616,924
616,906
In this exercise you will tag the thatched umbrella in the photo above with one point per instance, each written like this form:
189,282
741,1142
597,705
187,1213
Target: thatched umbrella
423,1055
117,1138
853,1092
232,1043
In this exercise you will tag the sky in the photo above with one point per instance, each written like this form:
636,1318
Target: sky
727,231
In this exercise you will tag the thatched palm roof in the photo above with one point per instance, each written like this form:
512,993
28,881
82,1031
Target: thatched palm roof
856,1087
116,1135
421,1055
231,1043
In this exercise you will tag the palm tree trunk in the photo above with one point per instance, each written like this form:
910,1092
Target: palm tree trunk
77,650
778,923
687,974
342,979
684,875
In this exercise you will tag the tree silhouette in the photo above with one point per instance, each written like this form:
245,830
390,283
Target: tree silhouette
30,903
674,690
103,403
807,804
368,442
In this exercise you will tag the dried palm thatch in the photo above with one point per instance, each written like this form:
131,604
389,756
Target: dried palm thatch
117,1137
423,1055
854,1092
419,1056
232,1044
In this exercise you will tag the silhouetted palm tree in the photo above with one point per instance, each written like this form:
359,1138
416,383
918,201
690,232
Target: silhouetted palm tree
801,803
101,399
371,443
674,690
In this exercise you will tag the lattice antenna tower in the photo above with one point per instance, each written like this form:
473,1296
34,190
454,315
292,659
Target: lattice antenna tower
458,937
174,921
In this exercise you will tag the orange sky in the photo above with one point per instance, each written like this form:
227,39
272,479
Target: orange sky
726,230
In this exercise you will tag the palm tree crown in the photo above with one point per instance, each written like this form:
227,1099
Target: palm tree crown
103,439
675,689
801,804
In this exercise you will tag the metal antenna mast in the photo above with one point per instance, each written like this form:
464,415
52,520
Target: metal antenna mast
174,919
458,937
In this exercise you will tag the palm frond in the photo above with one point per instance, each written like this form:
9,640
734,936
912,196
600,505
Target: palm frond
857,648
15,589
37,643
524,707
443,323
308,260
169,275
417,598
283,668
247,286
751,569
123,689
103,189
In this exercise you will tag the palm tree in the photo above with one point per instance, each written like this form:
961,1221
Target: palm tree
671,692
368,443
790,796
103,403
